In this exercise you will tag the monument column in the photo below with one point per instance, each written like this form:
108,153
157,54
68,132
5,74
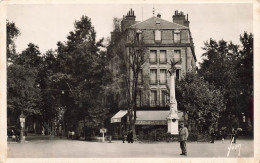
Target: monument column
172,119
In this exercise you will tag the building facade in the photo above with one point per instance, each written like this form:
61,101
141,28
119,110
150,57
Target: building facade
163,41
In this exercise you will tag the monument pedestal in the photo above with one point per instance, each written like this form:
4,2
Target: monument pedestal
172,122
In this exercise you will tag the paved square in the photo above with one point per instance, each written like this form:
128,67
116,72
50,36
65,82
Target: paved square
64,148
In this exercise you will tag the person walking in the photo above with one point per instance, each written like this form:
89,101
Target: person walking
183,136
233,135
212,134
128,137
131,136
123,136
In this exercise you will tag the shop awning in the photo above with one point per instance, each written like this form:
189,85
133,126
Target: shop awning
117,117
155,117
149,117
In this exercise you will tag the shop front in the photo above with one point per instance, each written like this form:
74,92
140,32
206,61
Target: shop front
145,121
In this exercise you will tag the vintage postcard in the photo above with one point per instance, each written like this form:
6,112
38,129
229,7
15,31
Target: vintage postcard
129,81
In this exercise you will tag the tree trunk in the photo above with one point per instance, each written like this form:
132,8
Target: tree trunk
133,129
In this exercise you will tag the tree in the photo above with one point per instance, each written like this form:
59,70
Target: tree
22,83
229,68
218,68
198,99
49,106
128,49
83,63
23,95
245,75
12,33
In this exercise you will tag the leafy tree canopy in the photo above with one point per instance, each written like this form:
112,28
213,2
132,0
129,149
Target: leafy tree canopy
200,100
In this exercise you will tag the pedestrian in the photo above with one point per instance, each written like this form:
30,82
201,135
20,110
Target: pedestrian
72,135
234,135
221,133
183,136
128,137
212,134
123,136
131,136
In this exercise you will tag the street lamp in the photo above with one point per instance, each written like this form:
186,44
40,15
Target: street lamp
22,121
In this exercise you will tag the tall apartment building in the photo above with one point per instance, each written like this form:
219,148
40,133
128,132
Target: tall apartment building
164,40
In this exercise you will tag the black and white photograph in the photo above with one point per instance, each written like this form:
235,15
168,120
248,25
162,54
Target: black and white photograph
129,80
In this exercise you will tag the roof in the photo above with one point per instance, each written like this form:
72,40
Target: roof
120,114
155,115
151,24
117,117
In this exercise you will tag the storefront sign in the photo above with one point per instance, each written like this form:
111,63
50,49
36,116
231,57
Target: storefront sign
151,122
103,130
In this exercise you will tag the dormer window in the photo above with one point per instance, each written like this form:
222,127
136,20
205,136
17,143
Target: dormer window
138,36
177,36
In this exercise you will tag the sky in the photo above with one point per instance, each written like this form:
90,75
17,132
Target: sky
45,25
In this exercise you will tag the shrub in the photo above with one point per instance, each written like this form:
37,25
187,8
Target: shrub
193,136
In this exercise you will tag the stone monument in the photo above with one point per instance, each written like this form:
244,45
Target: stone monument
172,119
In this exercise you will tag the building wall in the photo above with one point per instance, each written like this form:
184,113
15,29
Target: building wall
168,43
187,64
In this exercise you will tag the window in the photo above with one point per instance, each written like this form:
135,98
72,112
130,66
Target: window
177,36
153,97
178,74
140,77
163,76
138,36
157,35
164,97
153,76
177,55
163,57
153,56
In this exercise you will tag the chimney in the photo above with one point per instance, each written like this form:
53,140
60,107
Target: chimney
128,20
159,15
179,18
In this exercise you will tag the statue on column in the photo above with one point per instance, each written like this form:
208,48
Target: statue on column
173,102
172,119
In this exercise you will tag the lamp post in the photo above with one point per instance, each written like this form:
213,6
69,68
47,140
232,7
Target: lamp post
22,121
